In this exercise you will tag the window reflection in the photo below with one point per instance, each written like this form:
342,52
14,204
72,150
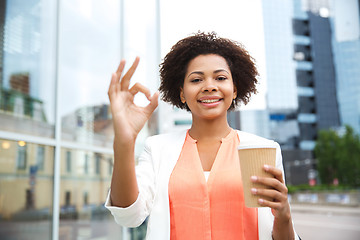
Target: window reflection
85,180
26,80
21,156
89,49
40,157
89,124
89,46
26,186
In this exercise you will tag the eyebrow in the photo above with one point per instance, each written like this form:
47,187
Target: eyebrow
202,73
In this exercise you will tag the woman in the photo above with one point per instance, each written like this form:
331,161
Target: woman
188,182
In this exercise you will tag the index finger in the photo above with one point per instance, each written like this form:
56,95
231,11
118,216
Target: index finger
277,173
125,81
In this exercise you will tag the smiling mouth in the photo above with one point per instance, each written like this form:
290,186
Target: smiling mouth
210,100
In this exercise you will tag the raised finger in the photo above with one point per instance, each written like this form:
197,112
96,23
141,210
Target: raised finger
138,87
125,81
120,69
113,84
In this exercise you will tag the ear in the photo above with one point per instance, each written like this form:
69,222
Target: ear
182,98
235,92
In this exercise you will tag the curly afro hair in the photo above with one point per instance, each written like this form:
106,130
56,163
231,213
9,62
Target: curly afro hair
175,64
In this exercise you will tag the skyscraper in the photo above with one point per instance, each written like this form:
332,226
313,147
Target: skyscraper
345,23
281,82
315,71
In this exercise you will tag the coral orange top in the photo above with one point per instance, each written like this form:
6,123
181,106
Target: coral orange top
212,210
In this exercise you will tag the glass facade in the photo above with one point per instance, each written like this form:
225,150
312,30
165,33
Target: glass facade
56,133
281,81
280,74
27,84
346,47
26,183
315,71
88,54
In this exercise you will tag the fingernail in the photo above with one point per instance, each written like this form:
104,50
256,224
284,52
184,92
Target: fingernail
261,201
254,178
267,167
253,190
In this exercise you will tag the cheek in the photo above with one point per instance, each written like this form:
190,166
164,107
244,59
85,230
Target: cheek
189,92
230,90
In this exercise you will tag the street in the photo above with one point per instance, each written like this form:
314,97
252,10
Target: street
327,222
311,223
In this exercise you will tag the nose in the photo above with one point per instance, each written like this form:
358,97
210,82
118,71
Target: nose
209,86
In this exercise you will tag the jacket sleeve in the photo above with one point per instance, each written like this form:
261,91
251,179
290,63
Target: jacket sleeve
136,213
279,165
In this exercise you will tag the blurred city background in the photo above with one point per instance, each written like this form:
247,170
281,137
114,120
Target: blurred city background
56,60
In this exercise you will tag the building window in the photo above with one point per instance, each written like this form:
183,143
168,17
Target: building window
183,122
29,202
86,164
110,165
18,106
86,198
97,163
40,157
68,161
21,156
67,198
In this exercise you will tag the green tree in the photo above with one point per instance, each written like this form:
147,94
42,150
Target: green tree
349,158
338,156
326,154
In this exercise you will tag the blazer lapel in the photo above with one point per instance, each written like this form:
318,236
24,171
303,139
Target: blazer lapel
167,160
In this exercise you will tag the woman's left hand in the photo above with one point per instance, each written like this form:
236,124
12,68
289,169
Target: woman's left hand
278,192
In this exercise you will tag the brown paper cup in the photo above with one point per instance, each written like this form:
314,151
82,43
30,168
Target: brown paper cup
252,161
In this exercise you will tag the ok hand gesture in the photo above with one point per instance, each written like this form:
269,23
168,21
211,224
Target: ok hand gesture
128,118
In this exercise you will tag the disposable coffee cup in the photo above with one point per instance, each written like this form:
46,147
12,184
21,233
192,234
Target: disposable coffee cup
252,161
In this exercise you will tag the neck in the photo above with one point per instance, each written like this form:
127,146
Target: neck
214,129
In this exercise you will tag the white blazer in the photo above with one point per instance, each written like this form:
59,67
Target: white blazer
153,171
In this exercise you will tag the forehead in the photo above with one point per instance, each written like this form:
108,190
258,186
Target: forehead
207,62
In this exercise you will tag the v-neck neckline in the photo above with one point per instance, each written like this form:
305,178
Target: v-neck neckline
213,169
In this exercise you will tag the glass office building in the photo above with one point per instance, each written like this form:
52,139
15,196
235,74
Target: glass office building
346,47
281,81
281,94
56,60
315,71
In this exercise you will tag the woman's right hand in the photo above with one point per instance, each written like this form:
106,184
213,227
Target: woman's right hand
128,118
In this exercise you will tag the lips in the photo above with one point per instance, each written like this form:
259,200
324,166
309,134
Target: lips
210,101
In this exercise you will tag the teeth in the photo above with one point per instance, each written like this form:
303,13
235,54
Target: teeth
210,100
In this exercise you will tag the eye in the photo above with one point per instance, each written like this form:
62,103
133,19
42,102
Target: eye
221,78
195,80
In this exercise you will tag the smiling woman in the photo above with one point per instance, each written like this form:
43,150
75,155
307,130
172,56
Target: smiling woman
189,183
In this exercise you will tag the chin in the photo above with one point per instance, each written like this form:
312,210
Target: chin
212,116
